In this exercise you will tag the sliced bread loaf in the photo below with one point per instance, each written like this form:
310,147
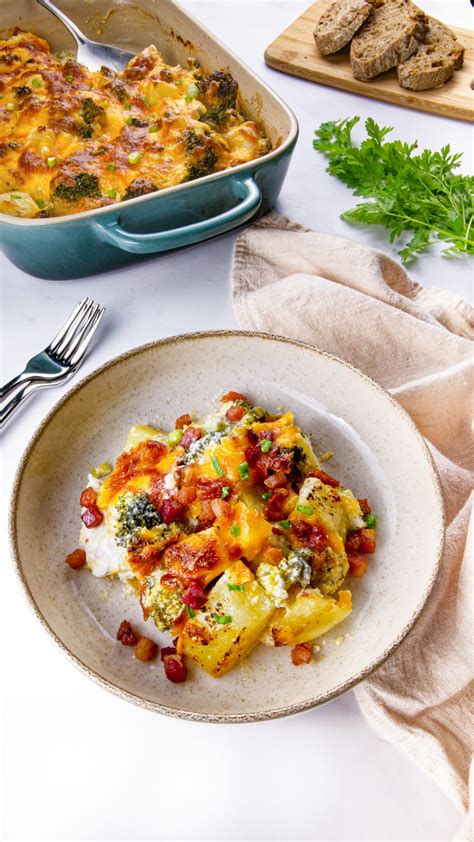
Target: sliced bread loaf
339,22
435,61
391,34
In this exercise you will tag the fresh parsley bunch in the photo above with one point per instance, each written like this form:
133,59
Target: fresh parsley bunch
419,193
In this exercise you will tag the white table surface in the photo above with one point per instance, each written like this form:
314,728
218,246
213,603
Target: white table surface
82,764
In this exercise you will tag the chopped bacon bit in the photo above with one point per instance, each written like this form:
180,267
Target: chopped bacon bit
352,544
324,477
92,516
76,559
235,552
357,564
276,480
235,413
190,435
273,555
302,653
88,497
169,582
210,489
364,506
207,512
187,494
167,650
268,435
194,596
277,530
221,508
310,535
171,510
183,421
233,396
175,669
273,511
367,541
126,635
146,649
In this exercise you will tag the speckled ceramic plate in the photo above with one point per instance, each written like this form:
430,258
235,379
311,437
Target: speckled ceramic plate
379,454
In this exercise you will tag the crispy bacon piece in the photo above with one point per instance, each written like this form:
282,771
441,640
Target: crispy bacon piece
264,465
194,595
273,555
76,559
92,516
187,494
324,477
88,497
146,649
189,560
367,541
364,506
171,510
126,635
302,653
183,421
210,489
275,480
233,396
310,535
235,413
207,515
169,582
175,669
273,511
221,508
357,564
190,435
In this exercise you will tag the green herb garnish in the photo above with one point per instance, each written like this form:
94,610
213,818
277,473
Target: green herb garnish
134,157
407,192
305,510
235,587
265,446
225,491
223,619
244,470
234,530
175,437
111,167
190,611
216,466
266,495
371,521
285,524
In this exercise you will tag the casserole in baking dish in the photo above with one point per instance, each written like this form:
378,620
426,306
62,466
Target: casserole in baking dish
101,234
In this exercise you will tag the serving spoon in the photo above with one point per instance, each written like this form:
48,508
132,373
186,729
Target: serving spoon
90,53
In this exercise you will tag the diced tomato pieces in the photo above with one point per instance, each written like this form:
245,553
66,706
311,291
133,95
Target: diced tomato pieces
367,541
76,559
183,421
92,516
190,435
276,480
302,653
126,634
233,396
221,508
187,494
175,669
171,510
324,477
364,506
194,596
235,413
357,564
88,497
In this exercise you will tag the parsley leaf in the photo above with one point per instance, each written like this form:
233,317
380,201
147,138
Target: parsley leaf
407,192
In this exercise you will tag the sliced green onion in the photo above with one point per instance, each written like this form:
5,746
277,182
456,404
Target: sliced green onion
51,162
265,446
223,619
371,521
102,470
69,77
36,83
305,510
112,194
41,203
225,491
216,466
266,495
134,157
146,102
191,93
13,197
235,587
10,106
244,470
175,437
285,524
153,128
234,530
190,611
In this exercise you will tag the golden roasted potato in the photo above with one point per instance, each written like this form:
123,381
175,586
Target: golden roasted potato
230,623
306,616
140,432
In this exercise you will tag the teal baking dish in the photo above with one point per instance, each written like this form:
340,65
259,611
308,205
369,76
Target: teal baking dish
106,238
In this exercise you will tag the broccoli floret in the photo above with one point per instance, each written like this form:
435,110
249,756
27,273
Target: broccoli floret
90,111
295,569
139,187
205,166
192,140
197,448
226,93
216,115
134,512
161,604
84,184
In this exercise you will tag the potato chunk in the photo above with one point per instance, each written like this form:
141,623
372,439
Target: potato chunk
306,616
230,623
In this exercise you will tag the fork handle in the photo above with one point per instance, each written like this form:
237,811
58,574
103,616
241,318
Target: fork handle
7,412
13,384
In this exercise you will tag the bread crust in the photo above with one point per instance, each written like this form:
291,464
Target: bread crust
391,34
435,61
339,23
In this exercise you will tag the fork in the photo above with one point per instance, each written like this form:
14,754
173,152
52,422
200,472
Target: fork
57,363
90,53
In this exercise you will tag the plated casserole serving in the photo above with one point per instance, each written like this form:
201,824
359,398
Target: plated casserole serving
72,140
229,532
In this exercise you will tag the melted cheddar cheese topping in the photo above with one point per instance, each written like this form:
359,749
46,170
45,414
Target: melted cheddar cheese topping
72,139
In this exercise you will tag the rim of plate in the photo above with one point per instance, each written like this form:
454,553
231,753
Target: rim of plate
225,718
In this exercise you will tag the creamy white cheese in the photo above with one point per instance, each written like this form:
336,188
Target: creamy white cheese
104,557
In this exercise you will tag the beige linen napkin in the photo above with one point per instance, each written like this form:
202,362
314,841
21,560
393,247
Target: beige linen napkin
357,303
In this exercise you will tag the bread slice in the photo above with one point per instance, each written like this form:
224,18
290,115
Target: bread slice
435,61
339,22
391,34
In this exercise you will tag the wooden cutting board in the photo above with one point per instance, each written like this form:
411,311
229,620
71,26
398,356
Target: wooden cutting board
295,52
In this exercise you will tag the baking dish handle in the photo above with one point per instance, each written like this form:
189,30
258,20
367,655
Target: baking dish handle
245,189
